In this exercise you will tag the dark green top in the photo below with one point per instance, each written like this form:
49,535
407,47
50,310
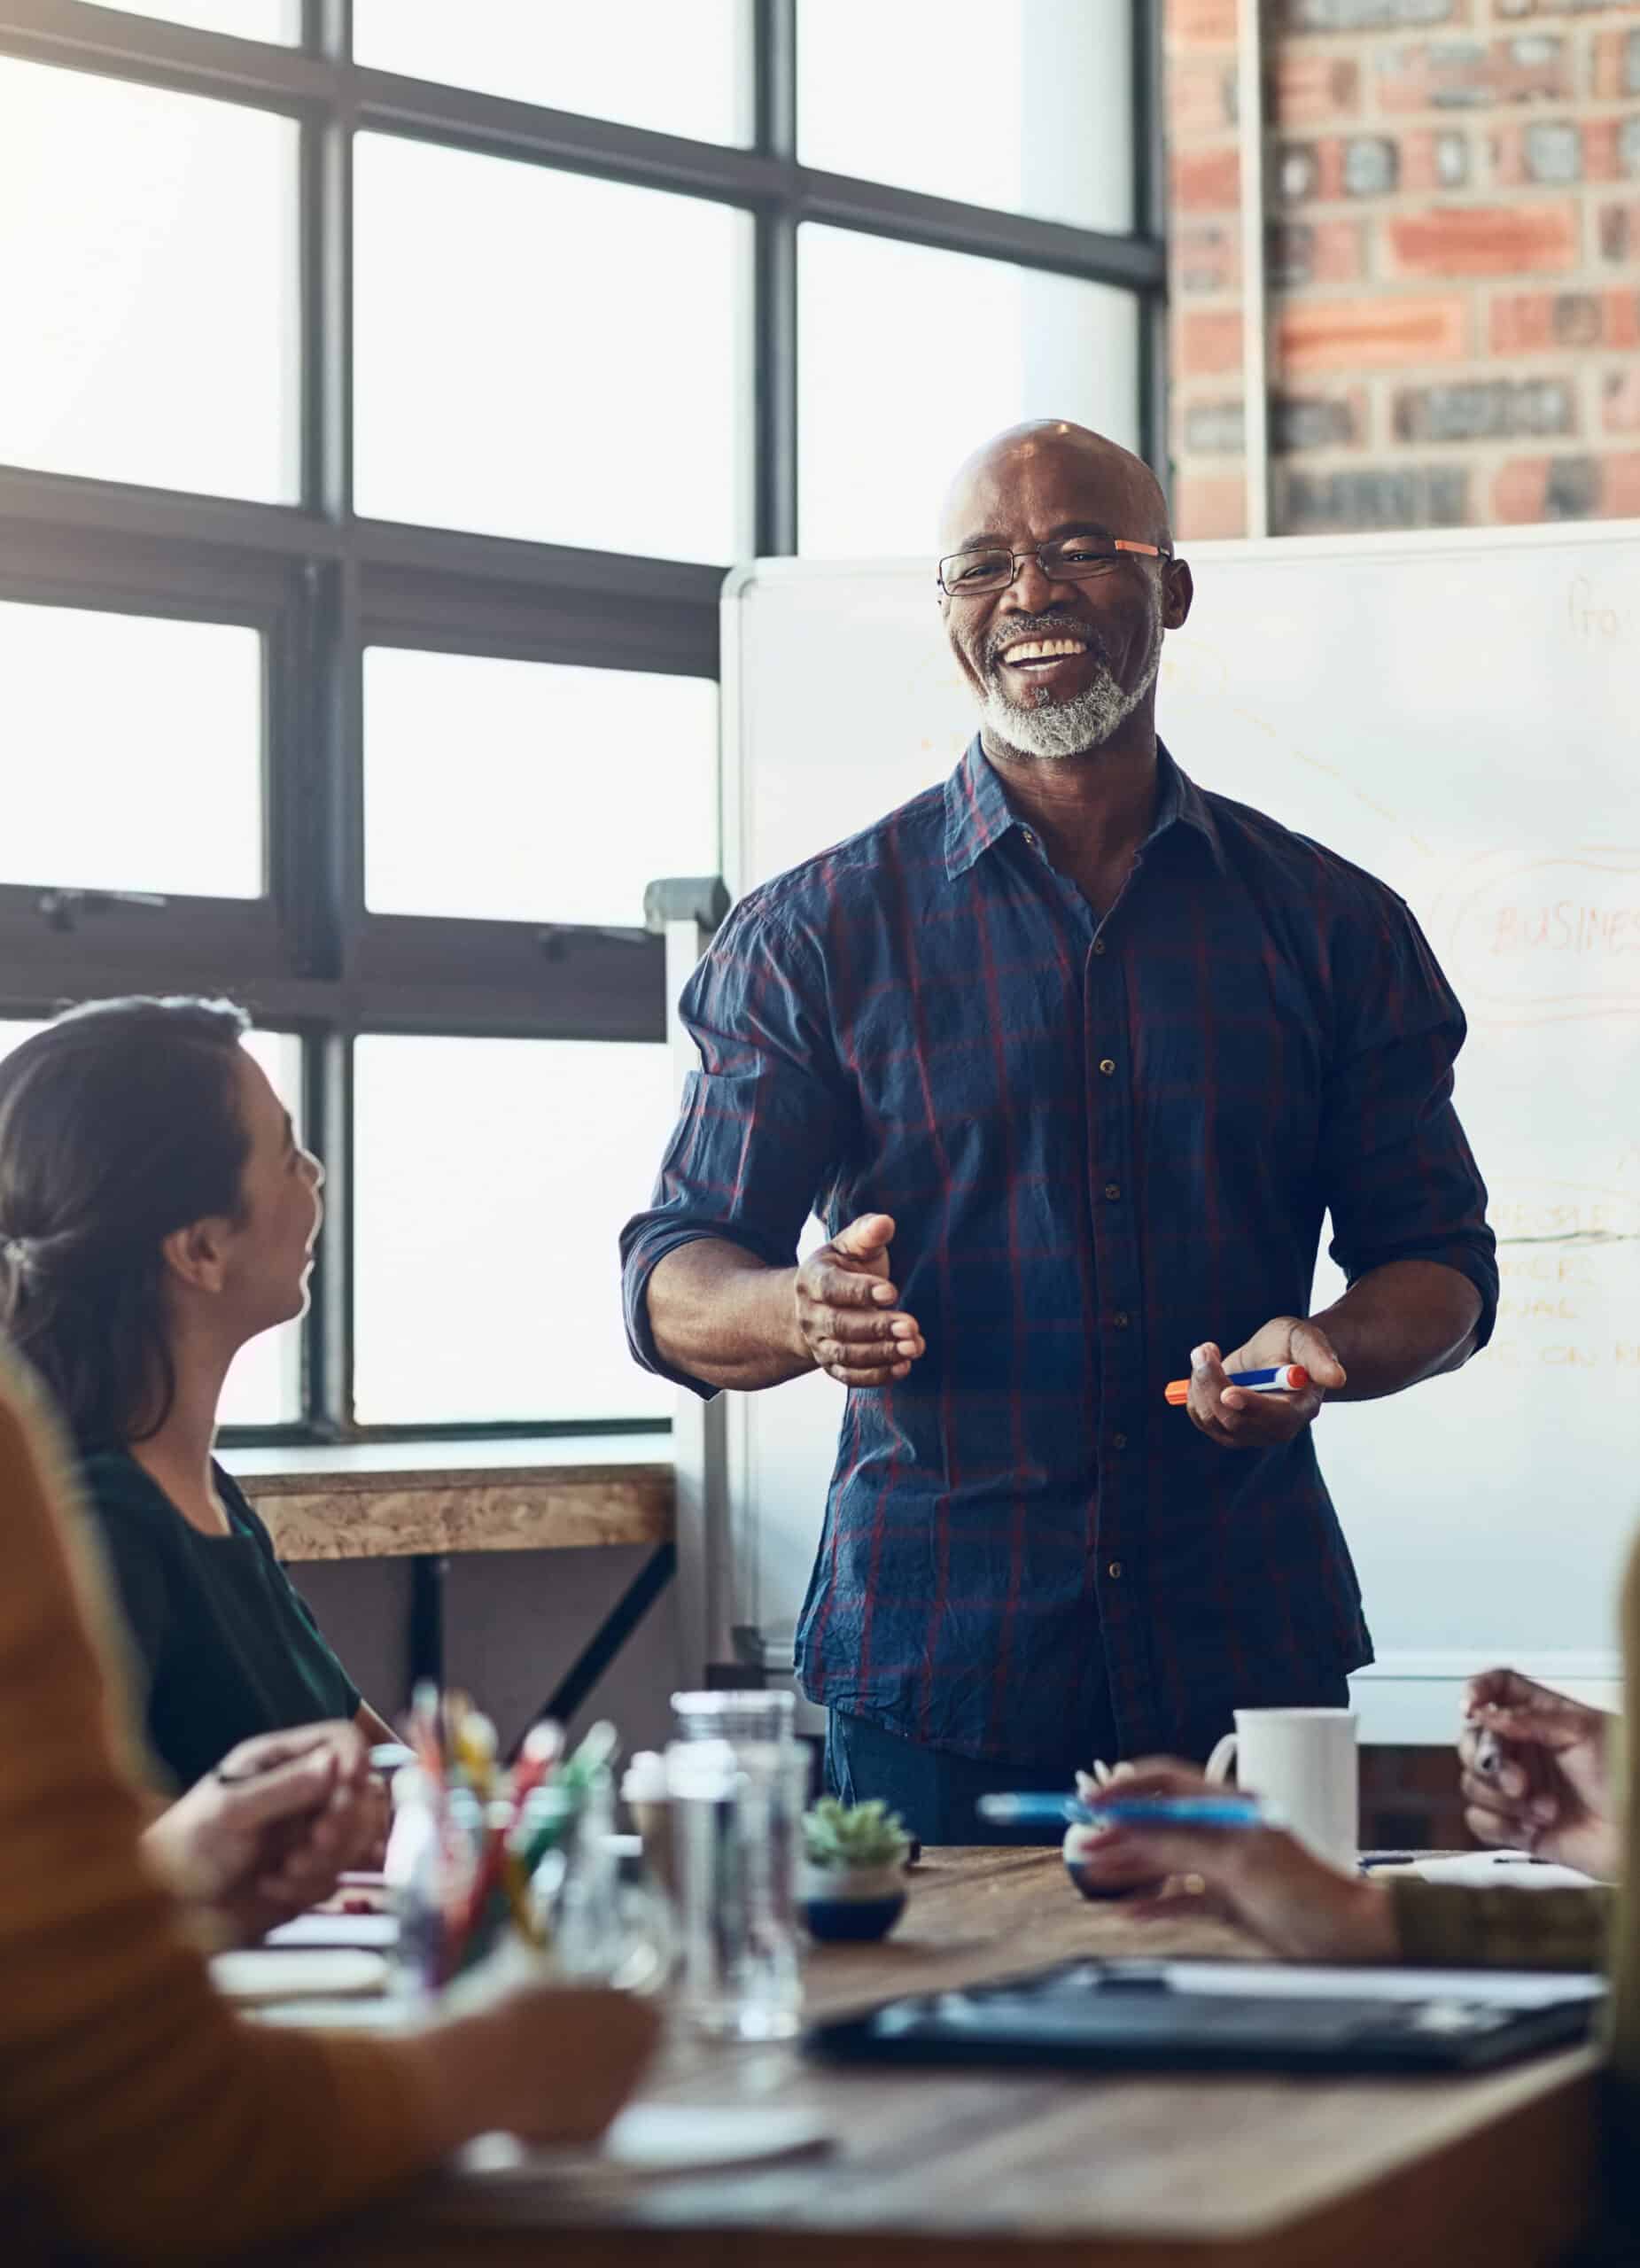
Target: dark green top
224,1645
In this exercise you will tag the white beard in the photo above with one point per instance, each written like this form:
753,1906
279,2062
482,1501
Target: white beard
1056,729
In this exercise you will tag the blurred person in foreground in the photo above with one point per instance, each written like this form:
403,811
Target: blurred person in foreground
158,1213
141,2120
1541,1772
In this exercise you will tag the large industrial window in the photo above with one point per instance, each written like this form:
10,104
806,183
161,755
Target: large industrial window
387,384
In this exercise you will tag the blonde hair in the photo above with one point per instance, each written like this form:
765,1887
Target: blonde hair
1624,1937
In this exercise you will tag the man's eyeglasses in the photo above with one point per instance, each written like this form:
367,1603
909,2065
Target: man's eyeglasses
1072,559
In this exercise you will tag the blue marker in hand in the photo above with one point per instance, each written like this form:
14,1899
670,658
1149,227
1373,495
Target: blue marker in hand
1123,1811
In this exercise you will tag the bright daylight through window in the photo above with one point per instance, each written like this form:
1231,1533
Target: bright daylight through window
388,388
152,330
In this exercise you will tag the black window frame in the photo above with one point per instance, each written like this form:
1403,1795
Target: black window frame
322,584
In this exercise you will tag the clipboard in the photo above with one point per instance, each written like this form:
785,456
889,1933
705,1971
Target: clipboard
1230,2015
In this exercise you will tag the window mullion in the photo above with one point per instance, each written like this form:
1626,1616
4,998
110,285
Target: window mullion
327,293
775,284
327,1071
1149,221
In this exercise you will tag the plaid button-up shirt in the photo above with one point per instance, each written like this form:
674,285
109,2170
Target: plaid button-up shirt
1101,1141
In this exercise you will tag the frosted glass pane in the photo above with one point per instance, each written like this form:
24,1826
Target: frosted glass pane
492,1179
573,788
265,1385
546,356
680,66
1025,105
135,752
959,347
278,20
148,273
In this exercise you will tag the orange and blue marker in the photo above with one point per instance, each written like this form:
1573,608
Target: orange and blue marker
1288,1377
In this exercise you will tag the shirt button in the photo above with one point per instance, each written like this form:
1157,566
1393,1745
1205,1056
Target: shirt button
1118,1441
1113,1189
1114,1570
1120,1318
1108,1067
1099,945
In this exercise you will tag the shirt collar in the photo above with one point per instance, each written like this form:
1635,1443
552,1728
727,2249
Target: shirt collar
978,814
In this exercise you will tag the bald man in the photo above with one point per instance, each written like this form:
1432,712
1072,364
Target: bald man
1071,1058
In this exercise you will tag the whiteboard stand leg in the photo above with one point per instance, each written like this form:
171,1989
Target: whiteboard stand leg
687,913
699,1439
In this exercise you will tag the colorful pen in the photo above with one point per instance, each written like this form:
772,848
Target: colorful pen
1182,1811
1290,1378
1123,1811
1033,1811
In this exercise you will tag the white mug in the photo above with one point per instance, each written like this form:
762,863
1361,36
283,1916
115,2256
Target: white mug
1303,1762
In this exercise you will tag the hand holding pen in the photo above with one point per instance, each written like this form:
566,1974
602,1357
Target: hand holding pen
269,1831
1238,1400
1538,1773
1164,1819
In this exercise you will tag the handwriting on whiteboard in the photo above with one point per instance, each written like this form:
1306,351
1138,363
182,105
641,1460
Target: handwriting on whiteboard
1596,616
1542,939
1565,1213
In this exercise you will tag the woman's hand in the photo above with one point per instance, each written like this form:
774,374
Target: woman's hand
267,1833
1537,1773
1259,1877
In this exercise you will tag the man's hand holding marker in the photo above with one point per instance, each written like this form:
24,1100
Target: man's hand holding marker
1265,1393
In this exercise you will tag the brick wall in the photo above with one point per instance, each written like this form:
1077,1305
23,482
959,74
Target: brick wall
1452,242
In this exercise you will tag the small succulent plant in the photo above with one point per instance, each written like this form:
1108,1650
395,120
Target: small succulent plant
854,1836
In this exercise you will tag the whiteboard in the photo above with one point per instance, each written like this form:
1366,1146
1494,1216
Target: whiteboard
1460,714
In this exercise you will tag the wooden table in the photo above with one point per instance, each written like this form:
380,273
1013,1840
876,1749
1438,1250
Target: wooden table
978,2169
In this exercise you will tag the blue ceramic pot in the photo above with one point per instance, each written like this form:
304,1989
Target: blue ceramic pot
843,1906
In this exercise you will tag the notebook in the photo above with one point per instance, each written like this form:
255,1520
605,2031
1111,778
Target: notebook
1225,2015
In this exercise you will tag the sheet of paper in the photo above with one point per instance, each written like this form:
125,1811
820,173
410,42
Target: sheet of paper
1500,1988
372,1932
1501,1871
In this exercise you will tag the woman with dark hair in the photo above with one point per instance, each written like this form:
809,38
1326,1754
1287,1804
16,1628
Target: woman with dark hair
156,1212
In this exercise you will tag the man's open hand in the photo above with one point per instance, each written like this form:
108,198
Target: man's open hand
847,1312
1239,1420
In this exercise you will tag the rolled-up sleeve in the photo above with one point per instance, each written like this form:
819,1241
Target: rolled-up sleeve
1399,1178
761,1121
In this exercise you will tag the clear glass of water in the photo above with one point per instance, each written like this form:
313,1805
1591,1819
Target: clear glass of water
736,1818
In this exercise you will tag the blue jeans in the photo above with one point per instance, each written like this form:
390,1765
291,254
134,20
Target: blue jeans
934,1791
